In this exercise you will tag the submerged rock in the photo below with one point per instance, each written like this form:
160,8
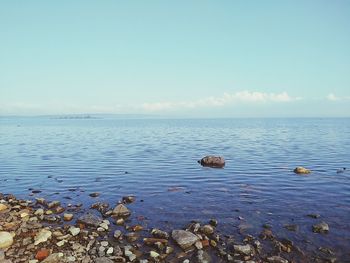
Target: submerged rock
213,161
320,228
276,259
203,257
183,238
301,170
6,239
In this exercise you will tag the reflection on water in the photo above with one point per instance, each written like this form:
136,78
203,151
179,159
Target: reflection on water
156,160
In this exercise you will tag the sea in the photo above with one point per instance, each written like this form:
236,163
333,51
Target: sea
155,160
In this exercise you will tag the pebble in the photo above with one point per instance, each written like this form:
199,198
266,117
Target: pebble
2,207
243,249
104,243
6,239
39,212
154,254
42,254
159,233
117,234
207,229
109,251
68,217
74,231
42,236
120,221
53,204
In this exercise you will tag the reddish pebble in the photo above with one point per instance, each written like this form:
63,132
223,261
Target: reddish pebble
205,243
42,254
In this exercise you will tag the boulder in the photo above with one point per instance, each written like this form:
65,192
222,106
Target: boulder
213,161
183,238
301,170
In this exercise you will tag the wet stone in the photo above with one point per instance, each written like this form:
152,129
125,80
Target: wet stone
94,194
184,239
207,229
301,170
243,249
203,257
129,199
320,228
291,227
159,233
121,211
90,220
276,259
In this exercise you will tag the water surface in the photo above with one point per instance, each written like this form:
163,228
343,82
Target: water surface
156,160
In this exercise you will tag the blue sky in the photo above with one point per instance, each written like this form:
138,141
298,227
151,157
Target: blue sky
176,58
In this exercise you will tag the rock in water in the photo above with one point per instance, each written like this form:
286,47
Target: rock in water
203,257
6,239
183,238
243,249
121,211
90,220
301,170
213,161
320,228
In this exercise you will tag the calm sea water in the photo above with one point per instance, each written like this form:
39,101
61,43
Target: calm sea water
156,160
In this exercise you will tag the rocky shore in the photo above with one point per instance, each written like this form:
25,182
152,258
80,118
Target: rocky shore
45,231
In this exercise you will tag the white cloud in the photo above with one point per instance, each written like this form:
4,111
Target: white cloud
333,97
225,99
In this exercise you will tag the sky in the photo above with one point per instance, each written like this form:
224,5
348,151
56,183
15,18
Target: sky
176,58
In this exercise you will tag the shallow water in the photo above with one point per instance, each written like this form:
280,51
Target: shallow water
156,160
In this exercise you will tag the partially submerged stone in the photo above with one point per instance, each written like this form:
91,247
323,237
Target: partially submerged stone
90,220
183,238
301,170
121,211
320,228
243,249
213,161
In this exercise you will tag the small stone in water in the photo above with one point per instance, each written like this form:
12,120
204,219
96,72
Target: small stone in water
68,217
117,234
94,194
320,228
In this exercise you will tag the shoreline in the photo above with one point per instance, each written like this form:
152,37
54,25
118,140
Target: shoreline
45,231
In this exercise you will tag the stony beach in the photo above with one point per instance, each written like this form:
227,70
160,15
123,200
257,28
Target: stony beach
40,230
